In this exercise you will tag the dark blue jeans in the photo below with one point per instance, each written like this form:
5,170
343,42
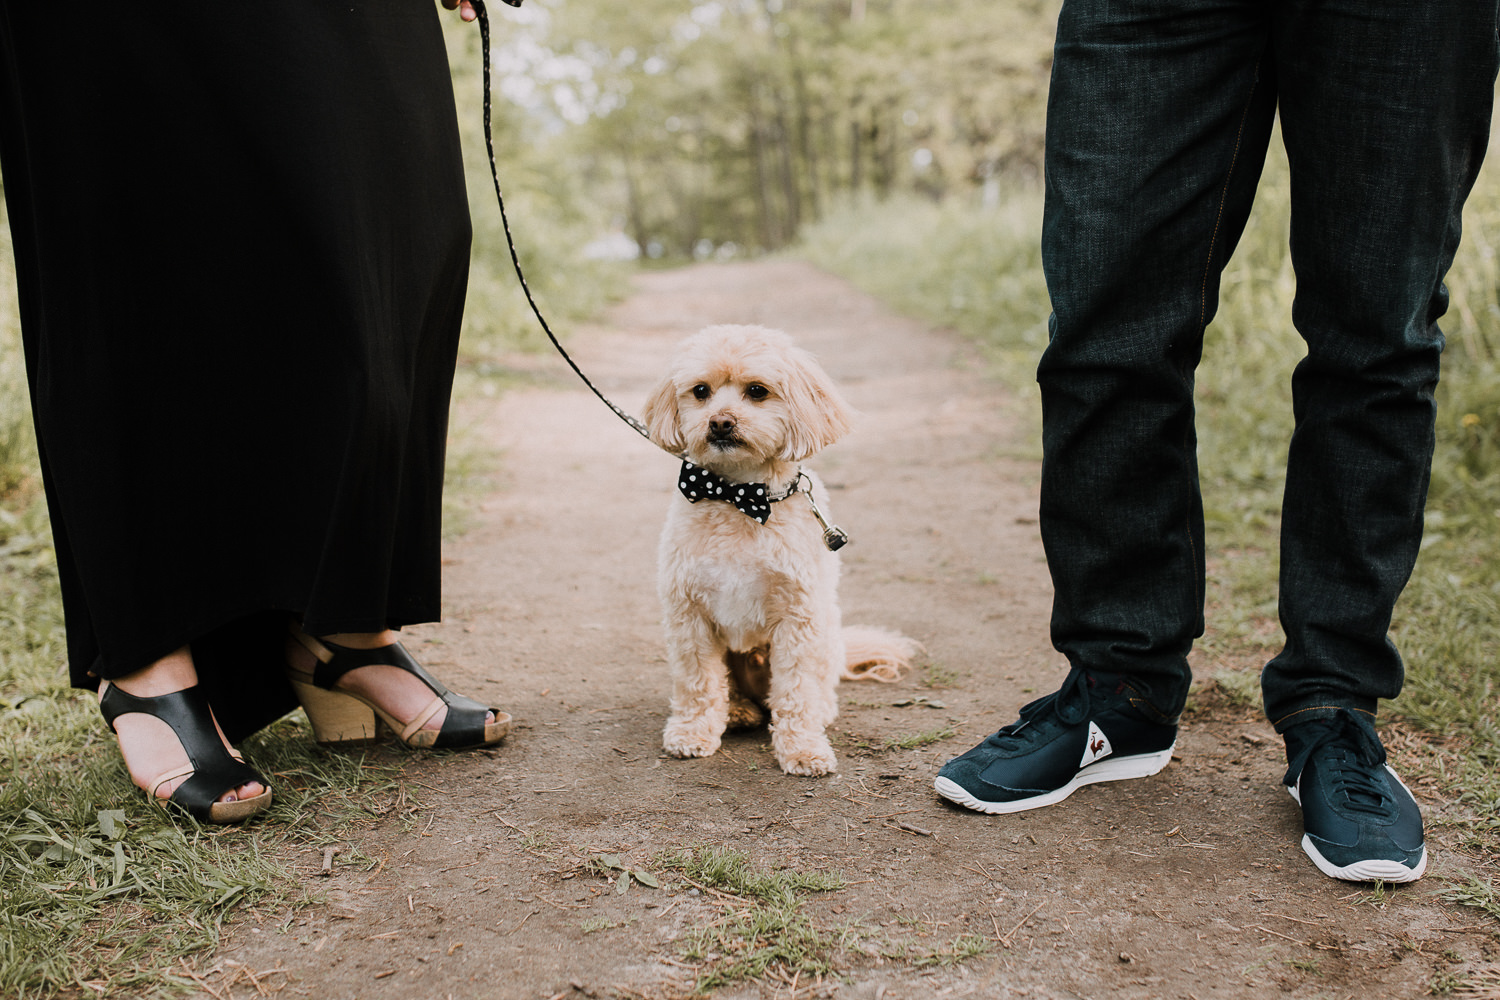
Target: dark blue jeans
1158,122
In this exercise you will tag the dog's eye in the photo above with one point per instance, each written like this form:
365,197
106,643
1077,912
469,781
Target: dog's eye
701,391
757,391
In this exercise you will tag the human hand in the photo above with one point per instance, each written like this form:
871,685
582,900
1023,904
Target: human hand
465,8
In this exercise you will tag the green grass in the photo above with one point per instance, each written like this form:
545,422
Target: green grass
771,933
1480,894
98,903
955,952
914,741
731,871
936,676
97,885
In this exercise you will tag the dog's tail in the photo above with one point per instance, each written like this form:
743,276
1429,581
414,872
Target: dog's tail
877,654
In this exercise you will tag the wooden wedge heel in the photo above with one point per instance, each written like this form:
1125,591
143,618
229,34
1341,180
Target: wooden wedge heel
345,718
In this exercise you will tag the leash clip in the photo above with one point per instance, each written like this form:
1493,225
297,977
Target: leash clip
833,536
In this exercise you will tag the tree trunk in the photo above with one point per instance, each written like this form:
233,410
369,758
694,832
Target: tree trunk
770,231
633,217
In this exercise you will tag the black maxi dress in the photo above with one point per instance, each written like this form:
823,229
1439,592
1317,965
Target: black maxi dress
241,241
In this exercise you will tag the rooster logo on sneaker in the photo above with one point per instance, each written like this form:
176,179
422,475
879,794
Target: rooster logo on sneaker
1096,747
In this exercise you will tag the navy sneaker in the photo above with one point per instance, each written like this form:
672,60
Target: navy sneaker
1360,822
1097,727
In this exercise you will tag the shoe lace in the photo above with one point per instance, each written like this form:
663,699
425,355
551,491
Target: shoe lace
1350,755
1069,703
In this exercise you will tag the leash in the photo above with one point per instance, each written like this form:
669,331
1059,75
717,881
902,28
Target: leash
489,146
833,536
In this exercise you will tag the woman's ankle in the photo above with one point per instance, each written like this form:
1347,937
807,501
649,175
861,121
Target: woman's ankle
173,672
364,640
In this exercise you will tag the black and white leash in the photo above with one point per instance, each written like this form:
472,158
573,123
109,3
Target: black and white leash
833,536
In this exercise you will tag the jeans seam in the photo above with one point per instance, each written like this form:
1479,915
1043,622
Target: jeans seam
1199,587
1213,239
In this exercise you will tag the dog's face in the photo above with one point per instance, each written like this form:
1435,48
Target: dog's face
739,398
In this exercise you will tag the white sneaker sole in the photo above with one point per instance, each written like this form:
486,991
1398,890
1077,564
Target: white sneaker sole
1111,769
1373,870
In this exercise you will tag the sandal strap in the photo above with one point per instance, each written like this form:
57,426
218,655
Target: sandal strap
162,779
334,661
415,725
214,768
463,726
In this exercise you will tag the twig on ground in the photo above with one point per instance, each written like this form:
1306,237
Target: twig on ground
522,923
1284,937
909,828
1005,940
716,892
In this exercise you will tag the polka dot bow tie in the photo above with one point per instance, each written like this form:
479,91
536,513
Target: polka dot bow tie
752,499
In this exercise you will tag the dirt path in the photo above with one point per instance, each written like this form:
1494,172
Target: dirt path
1188,884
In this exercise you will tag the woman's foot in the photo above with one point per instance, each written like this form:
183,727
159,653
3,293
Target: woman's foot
402,695
149,745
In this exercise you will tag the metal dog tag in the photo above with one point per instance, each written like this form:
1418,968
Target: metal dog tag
833,535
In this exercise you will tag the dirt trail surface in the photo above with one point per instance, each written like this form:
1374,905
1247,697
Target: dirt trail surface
494,874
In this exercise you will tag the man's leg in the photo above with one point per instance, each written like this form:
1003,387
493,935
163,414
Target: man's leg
1385,114
1158,119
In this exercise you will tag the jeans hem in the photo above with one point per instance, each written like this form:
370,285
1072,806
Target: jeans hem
1315,712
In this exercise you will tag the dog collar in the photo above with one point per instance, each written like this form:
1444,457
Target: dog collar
754,499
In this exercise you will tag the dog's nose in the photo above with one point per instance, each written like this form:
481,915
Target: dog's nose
721,427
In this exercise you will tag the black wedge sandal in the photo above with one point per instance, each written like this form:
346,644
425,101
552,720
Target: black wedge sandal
214,768
343,717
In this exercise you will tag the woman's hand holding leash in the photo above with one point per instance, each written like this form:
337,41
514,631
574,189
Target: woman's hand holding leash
465,8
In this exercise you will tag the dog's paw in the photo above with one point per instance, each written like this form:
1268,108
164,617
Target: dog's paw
811,761
745,715
687,739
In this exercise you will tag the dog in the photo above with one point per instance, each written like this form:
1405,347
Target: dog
750,594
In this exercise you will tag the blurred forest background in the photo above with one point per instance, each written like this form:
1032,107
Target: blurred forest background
715,128
898,144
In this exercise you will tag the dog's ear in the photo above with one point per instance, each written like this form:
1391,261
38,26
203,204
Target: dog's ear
662,419
819,413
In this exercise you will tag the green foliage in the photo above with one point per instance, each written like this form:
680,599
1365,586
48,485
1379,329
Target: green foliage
99,886
714,125
552,216
955,952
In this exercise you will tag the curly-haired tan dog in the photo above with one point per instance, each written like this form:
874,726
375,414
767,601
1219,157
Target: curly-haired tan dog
750,592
